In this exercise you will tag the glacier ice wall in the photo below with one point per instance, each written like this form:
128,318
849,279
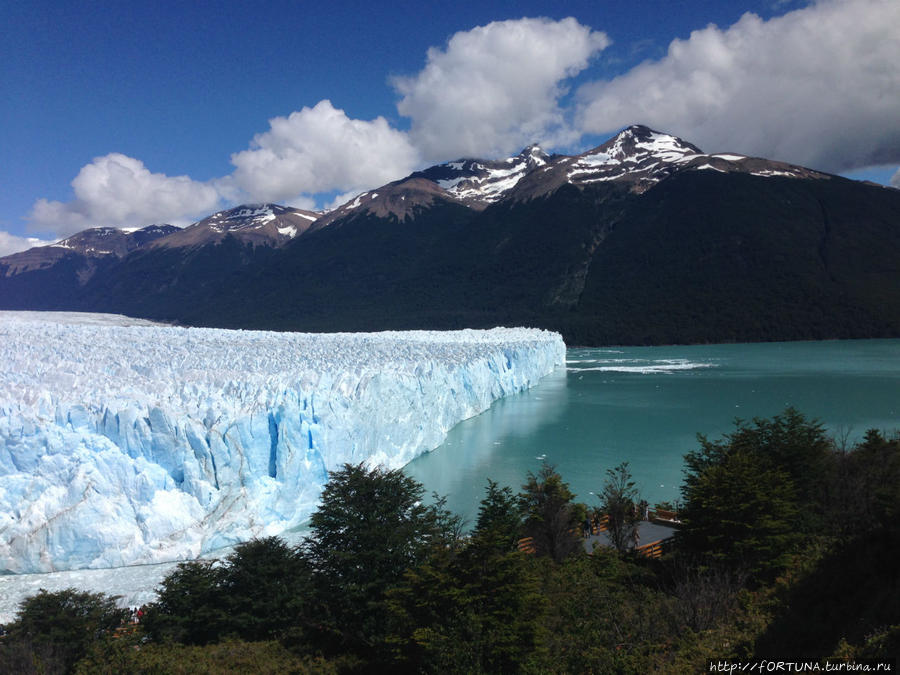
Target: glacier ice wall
125,444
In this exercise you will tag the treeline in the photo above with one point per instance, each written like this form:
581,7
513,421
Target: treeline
788,549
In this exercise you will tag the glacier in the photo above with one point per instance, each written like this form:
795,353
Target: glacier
123,442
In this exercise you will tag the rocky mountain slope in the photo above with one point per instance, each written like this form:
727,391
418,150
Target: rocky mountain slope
97,242
257,224
53,277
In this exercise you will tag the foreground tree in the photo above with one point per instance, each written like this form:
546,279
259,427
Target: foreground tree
474,609
265,583
257,593
551,519
371,526
229,657
741,503
619,501
788,443
52,631
864,490
190,607
499,523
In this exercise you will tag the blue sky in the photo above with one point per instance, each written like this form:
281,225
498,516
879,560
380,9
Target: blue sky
129,113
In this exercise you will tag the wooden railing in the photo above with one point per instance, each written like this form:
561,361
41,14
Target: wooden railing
526,545
125,630
662,514
652,550
658,548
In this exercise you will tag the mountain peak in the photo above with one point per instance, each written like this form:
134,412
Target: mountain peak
533,155
89,245
400,199
258,224
641,157
638,142
479,182
101,241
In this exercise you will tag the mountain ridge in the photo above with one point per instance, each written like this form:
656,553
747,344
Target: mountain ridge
644,239
257,224
93,242
637,155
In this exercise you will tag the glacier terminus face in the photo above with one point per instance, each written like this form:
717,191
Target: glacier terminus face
123,442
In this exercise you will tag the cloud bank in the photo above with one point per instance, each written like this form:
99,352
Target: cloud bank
496,88
819,86
10,243
119,190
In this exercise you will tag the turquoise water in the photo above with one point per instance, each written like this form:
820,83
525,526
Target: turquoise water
645,405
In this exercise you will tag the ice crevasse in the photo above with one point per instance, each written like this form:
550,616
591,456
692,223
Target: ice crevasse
123,444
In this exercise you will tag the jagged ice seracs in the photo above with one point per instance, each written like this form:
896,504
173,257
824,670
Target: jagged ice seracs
123,443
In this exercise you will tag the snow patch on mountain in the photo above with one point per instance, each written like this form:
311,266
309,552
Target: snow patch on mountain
256,224
642,157
637,154
478,182
246,217
355,204
124,444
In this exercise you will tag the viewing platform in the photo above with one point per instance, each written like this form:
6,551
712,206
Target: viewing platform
652,537
656,532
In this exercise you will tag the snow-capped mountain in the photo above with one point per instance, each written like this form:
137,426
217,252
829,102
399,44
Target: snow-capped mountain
477,182
617,244
641,157
54,277
258,224
400,199
637,156
96,242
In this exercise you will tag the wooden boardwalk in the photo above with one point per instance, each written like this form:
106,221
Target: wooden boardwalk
659,531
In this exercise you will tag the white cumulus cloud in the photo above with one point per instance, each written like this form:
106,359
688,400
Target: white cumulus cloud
321,149
302,202
496,88
819,86
117,190
11,243
895,179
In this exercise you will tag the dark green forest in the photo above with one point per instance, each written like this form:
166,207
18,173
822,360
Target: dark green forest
787,550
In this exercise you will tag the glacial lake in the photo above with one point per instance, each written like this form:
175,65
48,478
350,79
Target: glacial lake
646,405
